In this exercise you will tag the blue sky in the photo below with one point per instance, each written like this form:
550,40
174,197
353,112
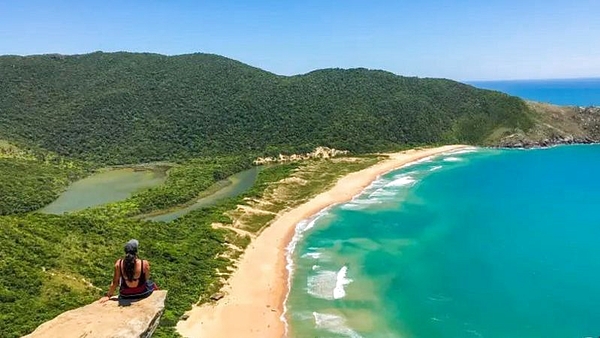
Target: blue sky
460,39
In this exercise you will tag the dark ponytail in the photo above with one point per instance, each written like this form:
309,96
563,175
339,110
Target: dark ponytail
129,260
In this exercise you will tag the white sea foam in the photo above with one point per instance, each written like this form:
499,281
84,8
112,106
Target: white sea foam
406,173
376,184
402,181
367,201
340,283
327,284
359,204
313,255
463,151
315,267
435,167
458,152
322,284
334,324
423,160
301,228
352,206
381,182
304,316
382,193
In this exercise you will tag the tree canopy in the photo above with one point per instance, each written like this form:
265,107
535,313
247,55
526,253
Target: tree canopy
128,108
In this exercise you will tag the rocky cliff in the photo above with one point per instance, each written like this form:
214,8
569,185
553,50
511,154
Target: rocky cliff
554,125
112,319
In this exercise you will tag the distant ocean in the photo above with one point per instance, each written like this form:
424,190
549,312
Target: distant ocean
478,243
572,92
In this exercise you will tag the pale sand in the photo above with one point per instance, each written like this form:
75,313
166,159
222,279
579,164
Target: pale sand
256,291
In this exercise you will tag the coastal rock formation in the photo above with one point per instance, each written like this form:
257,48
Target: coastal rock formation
589,119
556,125
518,141
104,320
319,152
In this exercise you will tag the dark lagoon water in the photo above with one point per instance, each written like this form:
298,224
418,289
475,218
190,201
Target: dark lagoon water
487,243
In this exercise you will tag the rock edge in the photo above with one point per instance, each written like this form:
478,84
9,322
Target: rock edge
104,320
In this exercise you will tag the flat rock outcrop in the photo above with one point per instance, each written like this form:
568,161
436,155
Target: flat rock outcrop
103,320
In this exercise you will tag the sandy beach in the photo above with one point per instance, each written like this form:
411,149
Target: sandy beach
256,291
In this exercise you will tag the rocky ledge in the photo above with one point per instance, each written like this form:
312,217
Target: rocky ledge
110,319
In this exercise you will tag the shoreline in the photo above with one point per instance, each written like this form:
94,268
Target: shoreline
256,291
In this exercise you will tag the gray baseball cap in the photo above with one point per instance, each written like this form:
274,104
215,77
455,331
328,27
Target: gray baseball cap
132,246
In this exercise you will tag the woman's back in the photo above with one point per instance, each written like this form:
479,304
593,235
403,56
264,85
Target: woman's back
139,275
131,275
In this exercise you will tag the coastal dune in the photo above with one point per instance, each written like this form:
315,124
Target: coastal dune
255,293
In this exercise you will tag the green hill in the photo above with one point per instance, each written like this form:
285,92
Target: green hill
126,108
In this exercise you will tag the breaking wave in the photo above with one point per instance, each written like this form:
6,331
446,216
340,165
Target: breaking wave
452,159
340,283
334,324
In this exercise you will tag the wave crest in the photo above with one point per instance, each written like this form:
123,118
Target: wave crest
334,324
340,283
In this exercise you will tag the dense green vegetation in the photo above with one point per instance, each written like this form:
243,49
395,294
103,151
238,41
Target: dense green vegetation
129,108
31,180
28,185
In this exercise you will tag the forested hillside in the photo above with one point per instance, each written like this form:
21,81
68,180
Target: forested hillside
62,117
126,108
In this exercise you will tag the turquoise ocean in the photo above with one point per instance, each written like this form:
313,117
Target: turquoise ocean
475,243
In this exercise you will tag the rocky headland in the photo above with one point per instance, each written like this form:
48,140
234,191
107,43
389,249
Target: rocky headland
555,125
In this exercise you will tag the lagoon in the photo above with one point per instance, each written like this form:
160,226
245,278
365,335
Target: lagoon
105,187
230,187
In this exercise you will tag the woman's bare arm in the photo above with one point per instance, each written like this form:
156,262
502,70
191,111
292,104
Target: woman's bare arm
147,270
114,282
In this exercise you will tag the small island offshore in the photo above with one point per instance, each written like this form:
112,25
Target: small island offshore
155,134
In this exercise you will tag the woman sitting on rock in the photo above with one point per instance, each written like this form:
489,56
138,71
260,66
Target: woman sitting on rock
132,275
